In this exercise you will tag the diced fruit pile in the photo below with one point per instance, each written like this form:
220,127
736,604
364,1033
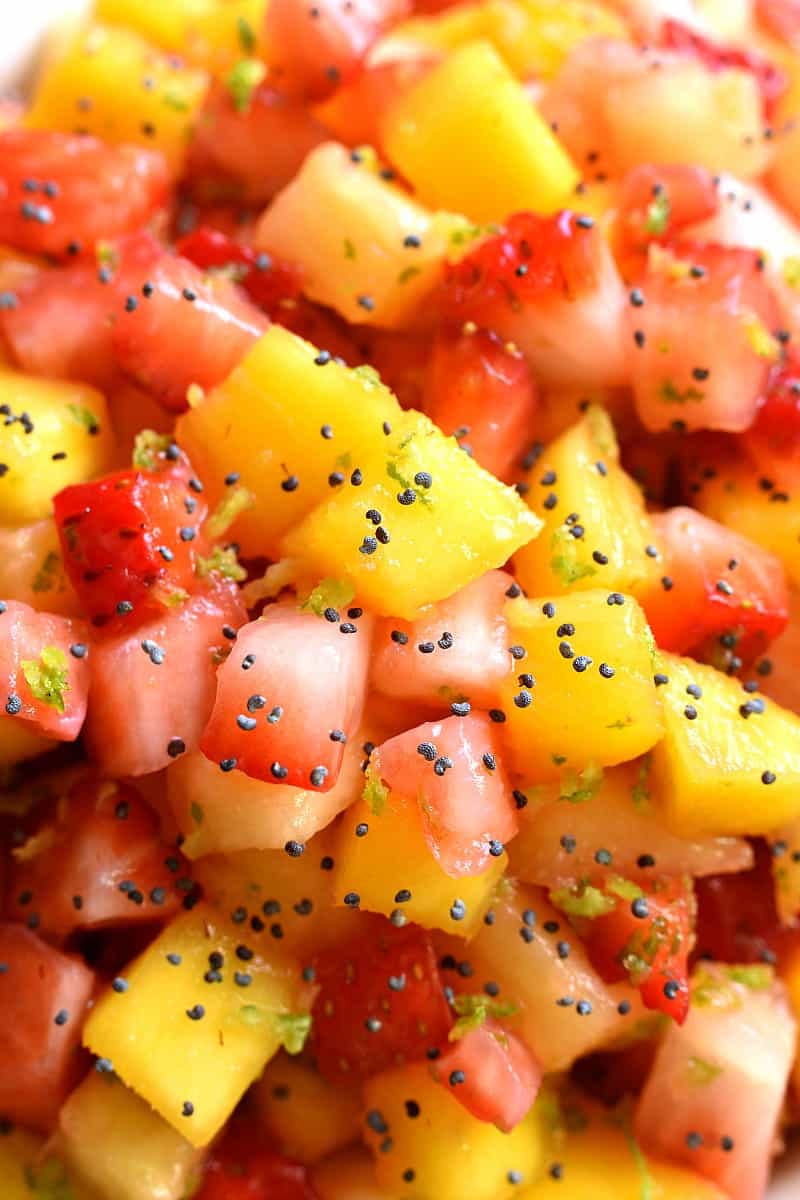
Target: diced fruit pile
400,602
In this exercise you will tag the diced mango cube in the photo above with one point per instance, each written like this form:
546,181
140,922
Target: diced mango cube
60,434
293,896
112,83
347,1175
579,487
734,495
447,520
451,1153
164,25
729,762
593,699
114,1142
396,857
286,415
533,36
600,1160
210,33
490,154
188,1046
346,227
302,1114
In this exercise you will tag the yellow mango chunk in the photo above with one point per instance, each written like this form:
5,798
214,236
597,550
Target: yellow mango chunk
593,700
532,36
579,477
112,83
452,1154
729,768
444,531
165,25
770,516
209,33
266,421
293,896
395,856
347,1175
303,1115
346,227
194,1071
490,154
602,1161
115,1143
52,418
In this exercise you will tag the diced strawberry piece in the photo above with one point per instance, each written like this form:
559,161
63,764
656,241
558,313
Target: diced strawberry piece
657,202
241,1167
737,918
267,281
534,284
61,193
647,939
484,393
454,769
44,996
44,673
176,306
470,656
290,696
130,540
385,977
713,1099
316,49
254,149
356,112
715,582
771,80
61,320
775,433
701,342
492,1073
96,860
781,17
153,690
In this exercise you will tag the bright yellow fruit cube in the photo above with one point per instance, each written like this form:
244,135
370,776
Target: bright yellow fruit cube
447,520
302,1114
452,1154
292,896
115,1143
209,33
347,1175
286,413
578,487
346,227
188,1046
488,155
60,435
112,83
734,496
593,699
601,1161
396,857
533,36
729,762
164,25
